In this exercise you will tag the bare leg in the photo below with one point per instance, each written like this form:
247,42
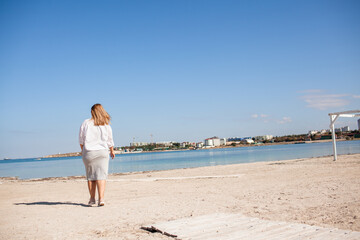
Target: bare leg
92,189
101,189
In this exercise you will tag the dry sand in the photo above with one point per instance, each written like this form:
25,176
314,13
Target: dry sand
315,191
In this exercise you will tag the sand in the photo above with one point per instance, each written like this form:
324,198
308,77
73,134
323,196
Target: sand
315,191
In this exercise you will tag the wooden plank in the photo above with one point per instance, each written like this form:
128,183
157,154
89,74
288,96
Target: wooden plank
224,226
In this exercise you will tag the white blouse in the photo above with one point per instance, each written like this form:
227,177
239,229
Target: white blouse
95,137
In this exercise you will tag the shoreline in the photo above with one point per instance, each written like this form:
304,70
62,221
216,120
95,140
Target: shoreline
77,154
307,191
14,178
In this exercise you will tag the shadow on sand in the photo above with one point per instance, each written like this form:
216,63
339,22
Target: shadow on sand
54,203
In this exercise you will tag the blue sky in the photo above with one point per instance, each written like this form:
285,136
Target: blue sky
180,70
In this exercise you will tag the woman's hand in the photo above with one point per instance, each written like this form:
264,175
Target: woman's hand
112,153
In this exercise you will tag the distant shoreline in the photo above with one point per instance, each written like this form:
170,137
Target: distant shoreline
77,154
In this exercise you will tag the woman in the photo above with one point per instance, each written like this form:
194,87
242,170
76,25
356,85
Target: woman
95,141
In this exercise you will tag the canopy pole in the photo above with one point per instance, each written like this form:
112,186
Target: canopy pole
332,126
333,117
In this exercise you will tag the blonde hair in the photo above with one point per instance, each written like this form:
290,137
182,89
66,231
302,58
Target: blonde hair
99,115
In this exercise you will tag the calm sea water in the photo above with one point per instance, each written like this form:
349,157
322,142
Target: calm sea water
73,166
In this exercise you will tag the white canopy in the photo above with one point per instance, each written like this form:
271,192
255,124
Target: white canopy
333,118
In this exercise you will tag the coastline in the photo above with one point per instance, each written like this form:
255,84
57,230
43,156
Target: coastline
111,175
308,191
77,154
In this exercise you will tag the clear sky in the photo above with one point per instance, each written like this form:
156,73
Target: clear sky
180,70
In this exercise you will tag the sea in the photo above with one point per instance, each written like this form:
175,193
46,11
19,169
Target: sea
147,161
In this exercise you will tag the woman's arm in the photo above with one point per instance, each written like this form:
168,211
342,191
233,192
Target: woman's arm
110,141
82,135
112,153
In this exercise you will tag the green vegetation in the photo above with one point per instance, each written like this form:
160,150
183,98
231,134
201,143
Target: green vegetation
291,138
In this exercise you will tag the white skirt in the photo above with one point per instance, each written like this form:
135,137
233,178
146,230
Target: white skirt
96,164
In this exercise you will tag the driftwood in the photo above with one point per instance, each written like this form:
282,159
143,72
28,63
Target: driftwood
153,229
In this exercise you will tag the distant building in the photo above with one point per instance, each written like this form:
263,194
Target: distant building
216,142
138,144
264,138
247,141
345,129
164,144
222,141
342,129
200,145
313,132
234,139
237,139
212,142
184,144
323,131
209,142
337,130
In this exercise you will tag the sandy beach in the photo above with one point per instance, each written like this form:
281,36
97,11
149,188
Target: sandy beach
315,191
